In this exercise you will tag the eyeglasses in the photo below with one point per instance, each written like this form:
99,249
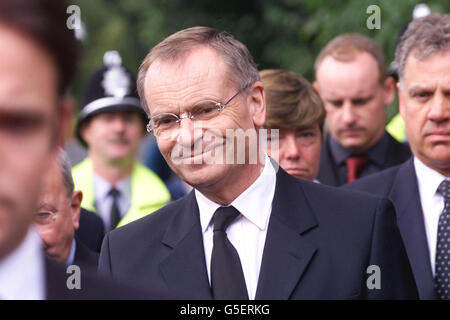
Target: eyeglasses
163,125
44,217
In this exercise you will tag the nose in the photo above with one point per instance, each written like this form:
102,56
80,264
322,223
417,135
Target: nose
186,131
289,148
119,123
348,113
439,108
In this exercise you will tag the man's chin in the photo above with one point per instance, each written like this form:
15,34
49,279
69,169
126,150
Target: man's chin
199,175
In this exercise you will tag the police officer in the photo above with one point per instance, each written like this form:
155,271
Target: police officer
111,125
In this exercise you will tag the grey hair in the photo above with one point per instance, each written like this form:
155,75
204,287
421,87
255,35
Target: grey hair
424,36
241,66
65,167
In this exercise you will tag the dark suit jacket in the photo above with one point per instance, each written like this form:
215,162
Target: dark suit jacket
93,286
319,243
399,184
328,174
84,256
91,230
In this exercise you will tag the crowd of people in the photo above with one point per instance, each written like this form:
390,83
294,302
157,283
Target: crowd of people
279,188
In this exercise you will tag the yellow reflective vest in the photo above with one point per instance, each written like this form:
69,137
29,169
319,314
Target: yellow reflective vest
148,192
396,128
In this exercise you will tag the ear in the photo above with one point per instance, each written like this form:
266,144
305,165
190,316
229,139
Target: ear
389,90
315,86
257,103
75,207
401,101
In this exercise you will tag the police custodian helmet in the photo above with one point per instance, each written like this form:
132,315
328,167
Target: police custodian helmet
112,88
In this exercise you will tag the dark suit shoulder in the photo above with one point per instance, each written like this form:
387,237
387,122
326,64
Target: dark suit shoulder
150,226
378,183
341,208
398,152
91,230
61,284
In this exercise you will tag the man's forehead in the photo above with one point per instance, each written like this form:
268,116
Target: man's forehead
202,64
425,71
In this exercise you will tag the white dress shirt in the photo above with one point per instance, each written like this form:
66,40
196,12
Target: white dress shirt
432,203
248,232
104,201
22,272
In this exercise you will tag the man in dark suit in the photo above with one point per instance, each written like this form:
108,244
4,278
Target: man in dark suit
91,230
352,82
58,216
418,187
38,55
245,231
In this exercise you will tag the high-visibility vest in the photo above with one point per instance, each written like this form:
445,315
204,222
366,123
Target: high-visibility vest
396,128
148,192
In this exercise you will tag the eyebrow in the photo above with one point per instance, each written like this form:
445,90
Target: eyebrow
189,106
25,114
420,88
47,206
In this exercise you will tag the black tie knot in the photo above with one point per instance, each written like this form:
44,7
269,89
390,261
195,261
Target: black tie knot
444,189
114,193
223,217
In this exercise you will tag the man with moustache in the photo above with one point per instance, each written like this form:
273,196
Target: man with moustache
419,188
352,82
111,125
246,231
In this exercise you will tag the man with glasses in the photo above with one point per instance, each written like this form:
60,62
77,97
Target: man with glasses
111,125
58,216
246,231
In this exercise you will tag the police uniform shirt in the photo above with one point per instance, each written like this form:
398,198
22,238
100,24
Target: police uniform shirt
104,201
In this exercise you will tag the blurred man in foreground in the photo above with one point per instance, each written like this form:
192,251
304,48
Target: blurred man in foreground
38,58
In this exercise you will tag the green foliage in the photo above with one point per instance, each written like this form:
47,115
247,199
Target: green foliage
279,33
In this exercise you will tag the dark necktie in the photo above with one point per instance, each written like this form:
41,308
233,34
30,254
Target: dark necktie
442,265
115,212
227,277
355,164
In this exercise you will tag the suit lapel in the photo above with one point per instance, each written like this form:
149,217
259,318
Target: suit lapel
286,253
405,195
184,269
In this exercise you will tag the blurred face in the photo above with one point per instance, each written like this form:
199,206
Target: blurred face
424,103
57,215
177,88
113,136
354,100
28,131
299,151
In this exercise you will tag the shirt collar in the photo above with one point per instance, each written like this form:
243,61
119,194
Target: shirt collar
22,272
71,257
254,203
102,187
375,153
427,178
